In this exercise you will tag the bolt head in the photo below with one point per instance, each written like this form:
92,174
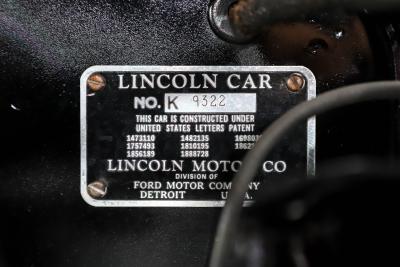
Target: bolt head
295,82
96,82
97,189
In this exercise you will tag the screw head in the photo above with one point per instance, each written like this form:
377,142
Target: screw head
295,82
97,189
96,82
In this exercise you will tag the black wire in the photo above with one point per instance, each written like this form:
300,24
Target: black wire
271,136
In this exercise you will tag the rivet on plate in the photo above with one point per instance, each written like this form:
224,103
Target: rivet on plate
97,189
96,82
295,82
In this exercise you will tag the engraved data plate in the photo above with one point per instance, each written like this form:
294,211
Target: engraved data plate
176,135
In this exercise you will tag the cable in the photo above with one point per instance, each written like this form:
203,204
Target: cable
249,16
271,136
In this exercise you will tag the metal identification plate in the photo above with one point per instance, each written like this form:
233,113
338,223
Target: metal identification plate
176,135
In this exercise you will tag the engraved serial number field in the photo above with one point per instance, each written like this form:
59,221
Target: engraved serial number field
210,103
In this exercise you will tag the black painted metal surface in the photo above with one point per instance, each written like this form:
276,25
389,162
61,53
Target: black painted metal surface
44,48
